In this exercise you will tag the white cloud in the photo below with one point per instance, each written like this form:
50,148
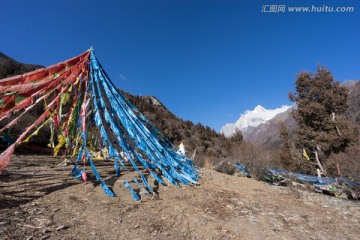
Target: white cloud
122,77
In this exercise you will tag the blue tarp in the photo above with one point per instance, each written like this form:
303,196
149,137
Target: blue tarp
318,181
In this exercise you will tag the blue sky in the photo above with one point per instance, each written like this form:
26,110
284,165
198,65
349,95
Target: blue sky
207,60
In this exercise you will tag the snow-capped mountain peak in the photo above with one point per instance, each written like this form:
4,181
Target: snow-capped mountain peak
259,108
252,118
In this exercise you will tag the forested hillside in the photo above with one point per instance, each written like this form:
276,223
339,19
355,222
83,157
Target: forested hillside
9,67
205,140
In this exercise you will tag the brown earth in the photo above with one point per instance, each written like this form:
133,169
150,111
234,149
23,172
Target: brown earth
41,200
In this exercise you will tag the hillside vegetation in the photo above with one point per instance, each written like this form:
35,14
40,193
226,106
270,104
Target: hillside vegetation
9,67
266,147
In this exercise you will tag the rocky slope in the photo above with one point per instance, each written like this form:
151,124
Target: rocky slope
268,133
221,207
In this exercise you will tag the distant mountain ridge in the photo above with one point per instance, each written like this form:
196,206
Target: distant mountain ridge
10,67
251,119
205,140
267,132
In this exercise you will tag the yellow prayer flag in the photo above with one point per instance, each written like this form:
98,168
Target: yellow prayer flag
305,154
62,141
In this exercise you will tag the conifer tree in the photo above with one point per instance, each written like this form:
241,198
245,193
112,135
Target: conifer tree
320,128
237,137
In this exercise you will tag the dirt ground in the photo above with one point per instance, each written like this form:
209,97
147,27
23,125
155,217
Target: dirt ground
41,200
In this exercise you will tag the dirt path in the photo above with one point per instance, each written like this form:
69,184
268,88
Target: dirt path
40,200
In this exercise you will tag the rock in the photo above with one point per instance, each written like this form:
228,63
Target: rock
252,218
46,230
244,212
230,207
240,203
61,227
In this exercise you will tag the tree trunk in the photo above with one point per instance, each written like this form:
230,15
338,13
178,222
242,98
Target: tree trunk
333,119
318,162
